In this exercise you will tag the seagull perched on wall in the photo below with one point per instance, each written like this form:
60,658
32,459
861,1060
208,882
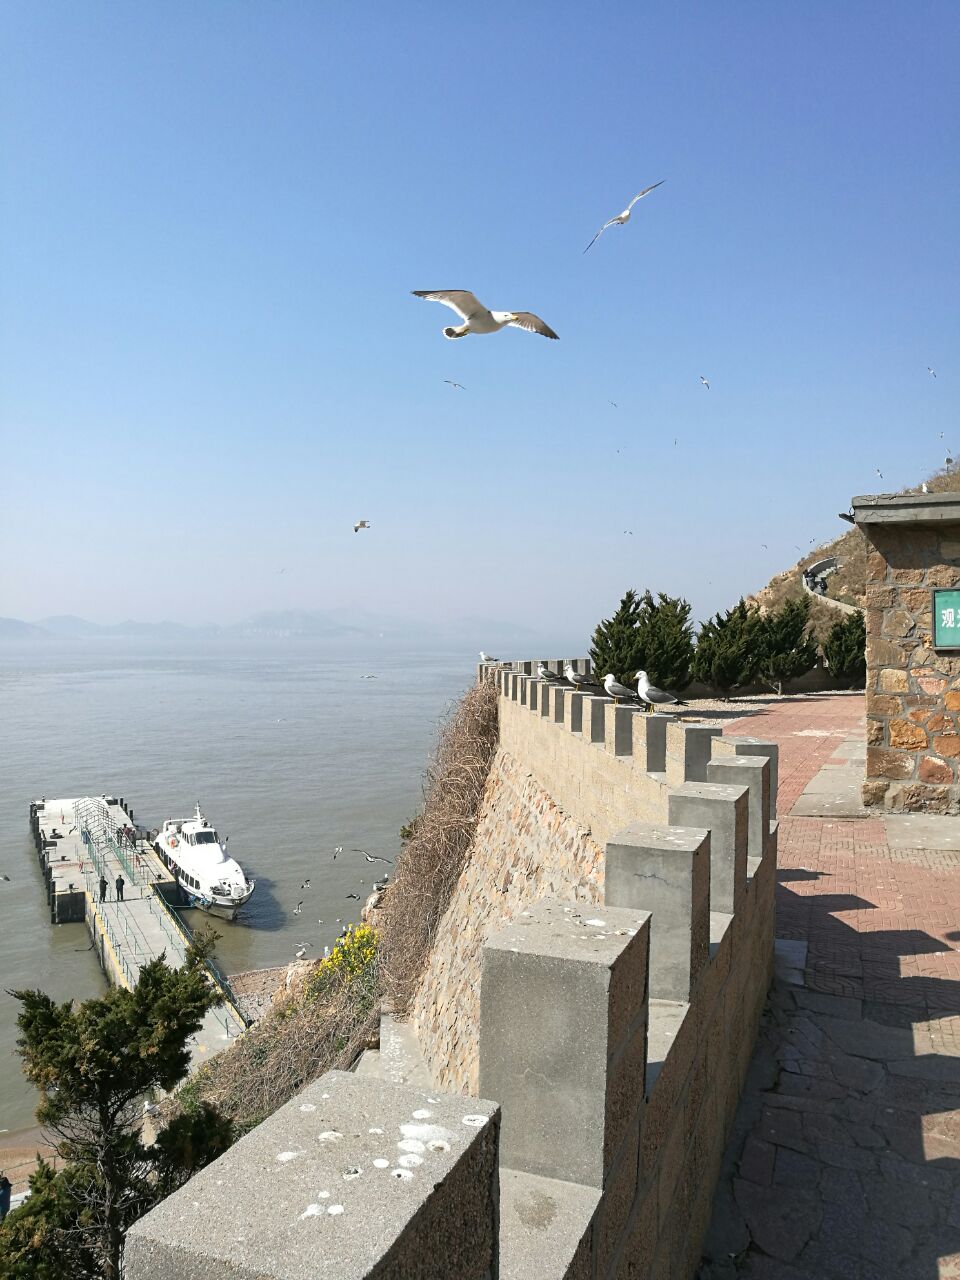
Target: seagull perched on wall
623,218
653,696
476,317
545,673
485,657
577,680
616,690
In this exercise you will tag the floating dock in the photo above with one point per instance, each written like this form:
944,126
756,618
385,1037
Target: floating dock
81,839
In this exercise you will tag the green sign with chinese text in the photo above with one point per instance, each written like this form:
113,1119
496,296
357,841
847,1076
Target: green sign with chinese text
946,619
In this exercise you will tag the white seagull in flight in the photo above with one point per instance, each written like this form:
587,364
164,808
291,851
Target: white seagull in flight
476,317
705,382
361,524
624,217
457,386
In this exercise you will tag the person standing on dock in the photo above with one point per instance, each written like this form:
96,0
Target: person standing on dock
103,888
120,884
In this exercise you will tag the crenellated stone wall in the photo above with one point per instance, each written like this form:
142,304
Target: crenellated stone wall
599,974
913,690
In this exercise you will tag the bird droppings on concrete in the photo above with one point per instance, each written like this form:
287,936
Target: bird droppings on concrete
284,1156
475,1121
377,1131
330,1135
410,1161
438,1144
422,1114
311,1211
351,1173
403,1175
595,924
334,1209
380,1163
424,1132
412,1144
308,1106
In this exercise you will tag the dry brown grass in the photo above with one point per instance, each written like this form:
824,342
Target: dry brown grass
292,1045
437,849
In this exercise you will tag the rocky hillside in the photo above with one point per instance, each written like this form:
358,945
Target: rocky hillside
848,583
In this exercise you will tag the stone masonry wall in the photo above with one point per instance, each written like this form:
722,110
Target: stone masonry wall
913,692
525,848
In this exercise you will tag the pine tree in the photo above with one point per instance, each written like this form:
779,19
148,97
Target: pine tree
618,642
787,650
727,654
668,646
844,651
93,1064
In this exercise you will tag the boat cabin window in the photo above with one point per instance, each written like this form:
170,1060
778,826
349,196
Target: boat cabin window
205,837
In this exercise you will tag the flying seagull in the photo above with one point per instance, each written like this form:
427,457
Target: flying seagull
616,690
306,884
879,472
370,858
624,217
7,878
653,696
354,895
614,403
931,371
298,908
361,524
338,849
476,317
457,386
301,951
705,382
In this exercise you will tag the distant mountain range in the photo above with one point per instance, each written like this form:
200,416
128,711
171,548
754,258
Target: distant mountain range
291,625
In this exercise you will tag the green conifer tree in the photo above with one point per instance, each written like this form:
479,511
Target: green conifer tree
618,642
93,1064
787,650
667,637
845,651
728,654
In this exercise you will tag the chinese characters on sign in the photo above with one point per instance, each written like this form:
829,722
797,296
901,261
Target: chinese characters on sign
946,619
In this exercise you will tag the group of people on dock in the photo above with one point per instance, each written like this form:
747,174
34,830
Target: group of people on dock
118,885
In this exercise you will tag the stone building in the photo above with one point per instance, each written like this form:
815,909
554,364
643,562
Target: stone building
913,650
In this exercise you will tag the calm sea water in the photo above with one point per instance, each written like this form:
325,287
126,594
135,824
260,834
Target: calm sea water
289,755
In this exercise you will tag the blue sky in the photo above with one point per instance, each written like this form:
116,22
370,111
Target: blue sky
212,364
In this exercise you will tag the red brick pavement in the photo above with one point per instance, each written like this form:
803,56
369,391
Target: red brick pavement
844,1163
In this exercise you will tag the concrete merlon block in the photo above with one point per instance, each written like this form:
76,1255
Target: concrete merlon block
650,743
752,772
618,728
724,811
689,747
545,700
323,1207
525,682
573,712
753,747
563,1005
559,697
593,717
514,685
665,870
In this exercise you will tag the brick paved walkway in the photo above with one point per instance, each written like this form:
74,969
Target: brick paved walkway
845,1159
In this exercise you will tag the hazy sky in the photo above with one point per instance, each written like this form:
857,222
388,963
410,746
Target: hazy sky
212,364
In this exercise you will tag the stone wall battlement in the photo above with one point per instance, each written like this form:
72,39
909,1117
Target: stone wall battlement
597,978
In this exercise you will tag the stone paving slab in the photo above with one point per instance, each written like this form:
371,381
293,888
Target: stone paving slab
845,1156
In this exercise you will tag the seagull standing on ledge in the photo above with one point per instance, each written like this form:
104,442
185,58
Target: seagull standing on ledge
622,218
544,673
616,690
577,680
485,657
476,317
653,696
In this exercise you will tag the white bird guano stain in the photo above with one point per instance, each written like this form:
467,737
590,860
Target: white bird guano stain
475,1122
307,1106
311,1211
596,924
350,1174
330,1135
380,1163
424,1132
404,1175
379,1131
438,1144
410,1161
422,1114
284,1156
411,1144
334,1209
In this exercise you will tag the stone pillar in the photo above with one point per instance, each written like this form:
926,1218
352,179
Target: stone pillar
666,871
354,1177
752,772
724,811
688,749
913,686
563,1018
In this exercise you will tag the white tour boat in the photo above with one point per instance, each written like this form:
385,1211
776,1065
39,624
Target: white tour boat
211,879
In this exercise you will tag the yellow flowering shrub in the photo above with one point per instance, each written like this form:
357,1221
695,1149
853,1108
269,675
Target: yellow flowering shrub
352,962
